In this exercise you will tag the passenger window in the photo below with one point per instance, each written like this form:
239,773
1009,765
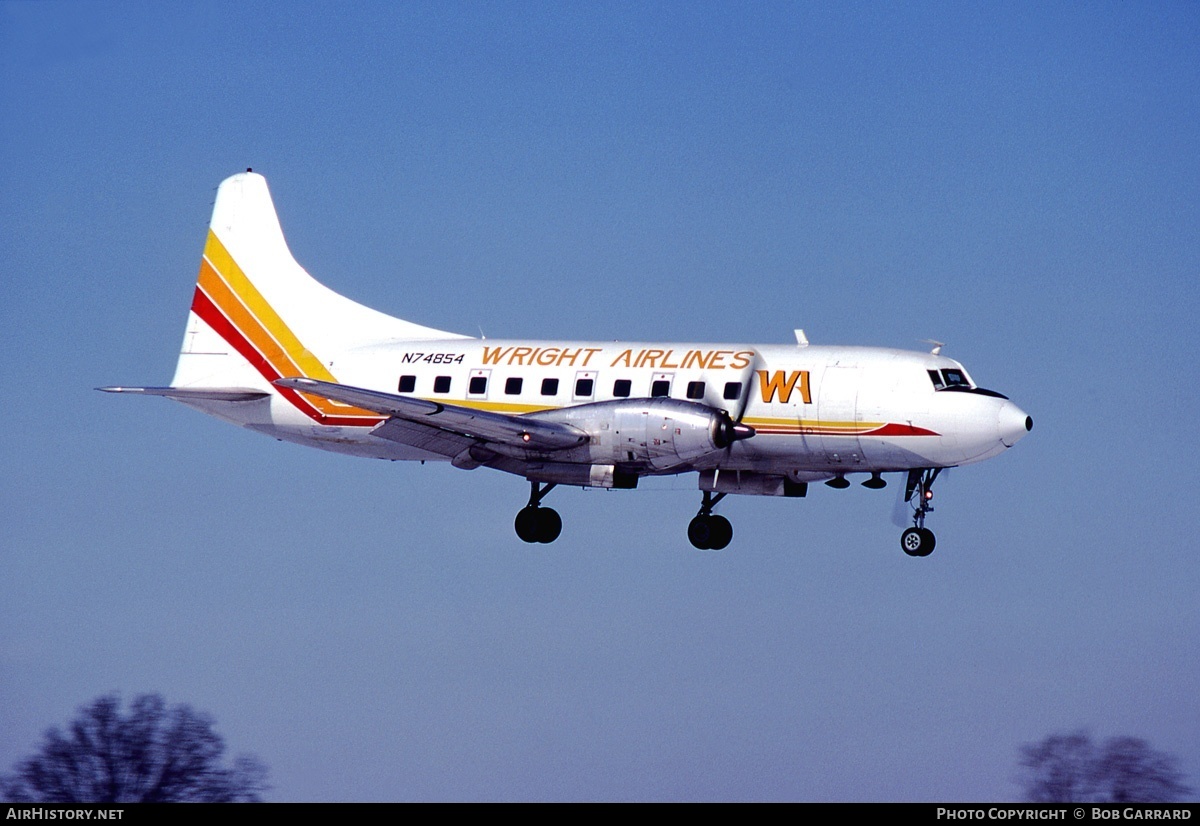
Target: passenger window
733,390
583,387
407,384
442,384
621,388
549,387
660,388
695,390
936,378
512,387
477,386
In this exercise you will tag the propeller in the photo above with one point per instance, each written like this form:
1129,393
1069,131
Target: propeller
738,431
728,431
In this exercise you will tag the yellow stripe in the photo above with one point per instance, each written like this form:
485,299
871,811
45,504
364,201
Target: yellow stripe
500,407
236,313
241,302
223,262
247,309
813,423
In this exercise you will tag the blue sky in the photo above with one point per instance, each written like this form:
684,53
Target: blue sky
1020,181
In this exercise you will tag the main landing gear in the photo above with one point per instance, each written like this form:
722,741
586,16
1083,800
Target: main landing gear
919,540
710,532
535,523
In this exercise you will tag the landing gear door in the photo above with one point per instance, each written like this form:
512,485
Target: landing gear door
837,418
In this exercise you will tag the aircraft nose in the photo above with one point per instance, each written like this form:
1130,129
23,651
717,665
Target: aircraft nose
1013,423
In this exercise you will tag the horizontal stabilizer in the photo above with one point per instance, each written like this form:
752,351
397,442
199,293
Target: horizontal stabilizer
485,425
214,394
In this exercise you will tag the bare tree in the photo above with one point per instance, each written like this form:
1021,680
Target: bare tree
155,754
1070,768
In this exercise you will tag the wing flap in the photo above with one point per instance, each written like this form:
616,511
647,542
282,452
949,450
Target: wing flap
474,425
424,437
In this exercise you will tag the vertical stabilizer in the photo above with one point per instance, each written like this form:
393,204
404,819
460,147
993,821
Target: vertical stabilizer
257,315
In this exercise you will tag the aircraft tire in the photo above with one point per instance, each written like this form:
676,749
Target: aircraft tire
700,532
720,533
930,542
918,541
526,524
549,525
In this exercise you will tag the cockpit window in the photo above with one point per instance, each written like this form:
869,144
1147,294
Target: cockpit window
952,379
955,378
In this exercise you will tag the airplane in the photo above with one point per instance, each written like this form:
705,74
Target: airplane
269,348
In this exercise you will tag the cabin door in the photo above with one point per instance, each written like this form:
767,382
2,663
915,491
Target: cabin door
837,418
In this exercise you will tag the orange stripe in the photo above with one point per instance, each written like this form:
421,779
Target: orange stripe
246,308
239,317
233,275
237,314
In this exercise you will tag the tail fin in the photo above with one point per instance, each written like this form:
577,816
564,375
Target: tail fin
257,315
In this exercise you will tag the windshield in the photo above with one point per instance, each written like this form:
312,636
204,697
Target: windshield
956,379
944,379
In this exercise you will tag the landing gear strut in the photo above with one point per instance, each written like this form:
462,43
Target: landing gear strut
707,531
535,523
918,492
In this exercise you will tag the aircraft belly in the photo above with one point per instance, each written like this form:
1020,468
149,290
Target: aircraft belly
243,414
776,453
351,441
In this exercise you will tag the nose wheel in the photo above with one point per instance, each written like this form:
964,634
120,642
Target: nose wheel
709,531
917,541
535,523
918,492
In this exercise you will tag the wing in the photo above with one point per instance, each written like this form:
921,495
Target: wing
447,429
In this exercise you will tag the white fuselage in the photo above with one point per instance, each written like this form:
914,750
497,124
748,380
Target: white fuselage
270,348
818,411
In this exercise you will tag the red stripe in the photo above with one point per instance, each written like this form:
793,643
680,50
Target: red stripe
894,429
203,306
891,429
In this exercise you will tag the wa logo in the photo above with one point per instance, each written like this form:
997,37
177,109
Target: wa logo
780,385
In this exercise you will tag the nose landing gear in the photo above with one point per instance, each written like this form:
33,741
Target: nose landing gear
535,523
707,531
918,492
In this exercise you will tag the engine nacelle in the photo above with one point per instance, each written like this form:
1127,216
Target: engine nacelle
651,434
